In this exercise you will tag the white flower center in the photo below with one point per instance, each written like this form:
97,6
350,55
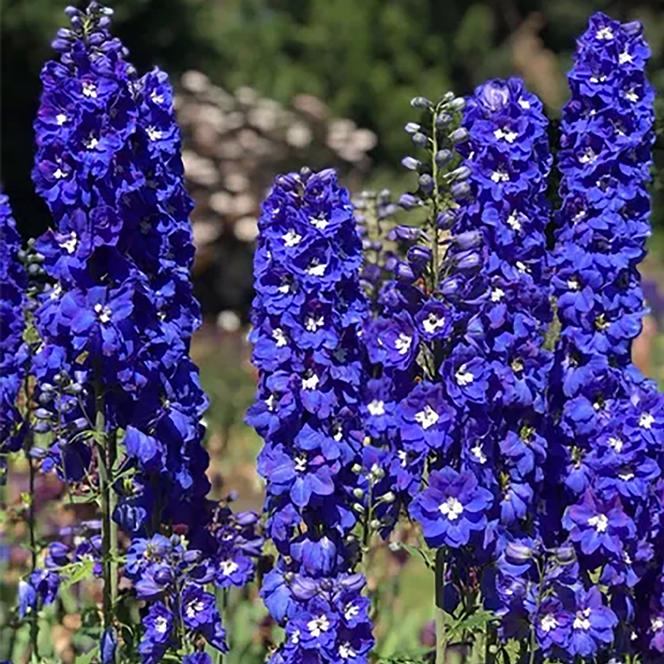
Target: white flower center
657,623
625,58
432,322
92,143
312,324
318,626
310,383
587,156
376,408
403,343
351,611
89,89
61,118
573,284
153,133
626,475
316,269
478,453
269,402
403,457
319,222
497,294
616,444
522,267
599,522
581,620
194,607
513,222
632,96
70,245
507,134
346,652
500,176
427,417
56,291
103,313
451,508
291,239
279,337
58,173
604,34
646,420
463,376
228,567
300,464
160,625
156,98
548,623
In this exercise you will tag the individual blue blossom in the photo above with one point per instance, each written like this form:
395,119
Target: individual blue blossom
596,525
425,418
451,508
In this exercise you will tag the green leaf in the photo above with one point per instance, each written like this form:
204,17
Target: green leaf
88,657
76,573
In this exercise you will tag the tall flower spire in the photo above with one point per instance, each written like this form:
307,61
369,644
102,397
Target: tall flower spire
121,395
306,317
13,285
606,460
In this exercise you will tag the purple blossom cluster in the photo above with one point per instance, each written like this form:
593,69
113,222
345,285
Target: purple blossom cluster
13,285
458,343
116,388
603,476
306,318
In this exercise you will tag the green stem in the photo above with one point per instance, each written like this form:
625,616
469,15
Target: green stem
34,618
32,521
224,612
107,459
533,634
441,632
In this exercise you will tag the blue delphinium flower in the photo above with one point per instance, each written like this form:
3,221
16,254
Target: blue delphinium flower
310,378
13,285
115,326
451,507
474,292
604,476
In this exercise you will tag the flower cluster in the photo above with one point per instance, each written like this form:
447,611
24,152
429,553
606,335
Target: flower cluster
306,316
13,284
604,490
115,383
459,340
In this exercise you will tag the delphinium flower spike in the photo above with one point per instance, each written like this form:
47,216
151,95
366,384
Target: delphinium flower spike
505,442
306,319
466,317
13,286
120,393
604,495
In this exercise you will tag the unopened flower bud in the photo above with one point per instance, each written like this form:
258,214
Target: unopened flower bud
420,102
459,135
443,157
420,139
411,163
426,184
408,201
